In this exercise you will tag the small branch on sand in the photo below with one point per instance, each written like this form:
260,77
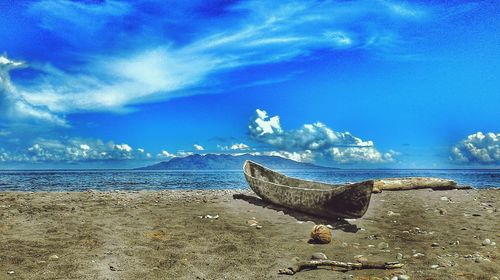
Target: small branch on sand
312,264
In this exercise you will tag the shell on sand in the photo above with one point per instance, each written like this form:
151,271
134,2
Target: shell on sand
321,234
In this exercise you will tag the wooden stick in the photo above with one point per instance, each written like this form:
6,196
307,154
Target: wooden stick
402,184
312,264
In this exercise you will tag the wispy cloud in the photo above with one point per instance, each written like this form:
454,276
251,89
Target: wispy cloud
72,19
266,33
14,106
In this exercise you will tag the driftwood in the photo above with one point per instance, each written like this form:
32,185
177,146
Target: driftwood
401,184
312,264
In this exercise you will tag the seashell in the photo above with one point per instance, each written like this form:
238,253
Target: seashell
321,234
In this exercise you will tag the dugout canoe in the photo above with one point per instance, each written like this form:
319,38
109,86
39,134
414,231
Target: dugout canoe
315,198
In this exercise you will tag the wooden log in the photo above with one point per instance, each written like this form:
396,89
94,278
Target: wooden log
402,184
312,264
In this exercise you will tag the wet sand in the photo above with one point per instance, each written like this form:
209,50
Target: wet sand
167,235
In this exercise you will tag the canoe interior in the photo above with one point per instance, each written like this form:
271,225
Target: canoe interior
262,173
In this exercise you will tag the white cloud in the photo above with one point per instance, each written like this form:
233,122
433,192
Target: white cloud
239,146
478,148
73,150
165,154
269,32
305,156
14,106
235,147
183,154
124,147
314,142
198,147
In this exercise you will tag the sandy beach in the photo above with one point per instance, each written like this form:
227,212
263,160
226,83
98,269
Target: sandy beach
207,235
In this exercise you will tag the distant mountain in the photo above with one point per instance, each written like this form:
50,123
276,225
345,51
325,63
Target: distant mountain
227,162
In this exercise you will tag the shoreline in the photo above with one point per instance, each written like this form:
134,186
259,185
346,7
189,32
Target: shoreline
173,234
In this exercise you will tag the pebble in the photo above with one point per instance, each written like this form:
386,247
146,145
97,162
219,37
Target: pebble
383,245
344,244
10,272
403,277
434,266
53,258
258,227
486,242
399,256
318,256
362,260
252,222
442,211
390,213
435,244
209,217
418,255
444,198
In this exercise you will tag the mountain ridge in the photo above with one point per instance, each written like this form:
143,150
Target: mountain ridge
228,162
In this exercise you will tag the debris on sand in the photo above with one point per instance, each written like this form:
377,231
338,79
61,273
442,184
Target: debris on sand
321,234
318,256
53,258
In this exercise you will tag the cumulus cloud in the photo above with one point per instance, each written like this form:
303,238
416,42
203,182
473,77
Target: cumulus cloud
165,155
74,150
198,147
314,142
478,148
14,106
305,156
235,147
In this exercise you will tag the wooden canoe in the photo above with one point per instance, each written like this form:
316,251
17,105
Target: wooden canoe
318,199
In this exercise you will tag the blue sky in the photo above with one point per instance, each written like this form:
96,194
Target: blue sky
354,84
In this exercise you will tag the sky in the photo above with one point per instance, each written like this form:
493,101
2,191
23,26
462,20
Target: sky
350,84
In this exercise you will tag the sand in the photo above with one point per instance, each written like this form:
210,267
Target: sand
161,235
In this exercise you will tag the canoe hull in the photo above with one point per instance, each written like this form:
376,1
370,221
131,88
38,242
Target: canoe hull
318,199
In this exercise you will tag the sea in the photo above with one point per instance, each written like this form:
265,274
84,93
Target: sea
105,180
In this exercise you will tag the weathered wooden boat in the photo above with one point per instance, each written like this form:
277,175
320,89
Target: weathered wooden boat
318,199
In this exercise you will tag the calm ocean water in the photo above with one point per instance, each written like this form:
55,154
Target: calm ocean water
185,180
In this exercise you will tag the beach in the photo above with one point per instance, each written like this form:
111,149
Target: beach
210,234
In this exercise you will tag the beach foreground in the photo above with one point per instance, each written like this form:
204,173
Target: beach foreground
209,235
